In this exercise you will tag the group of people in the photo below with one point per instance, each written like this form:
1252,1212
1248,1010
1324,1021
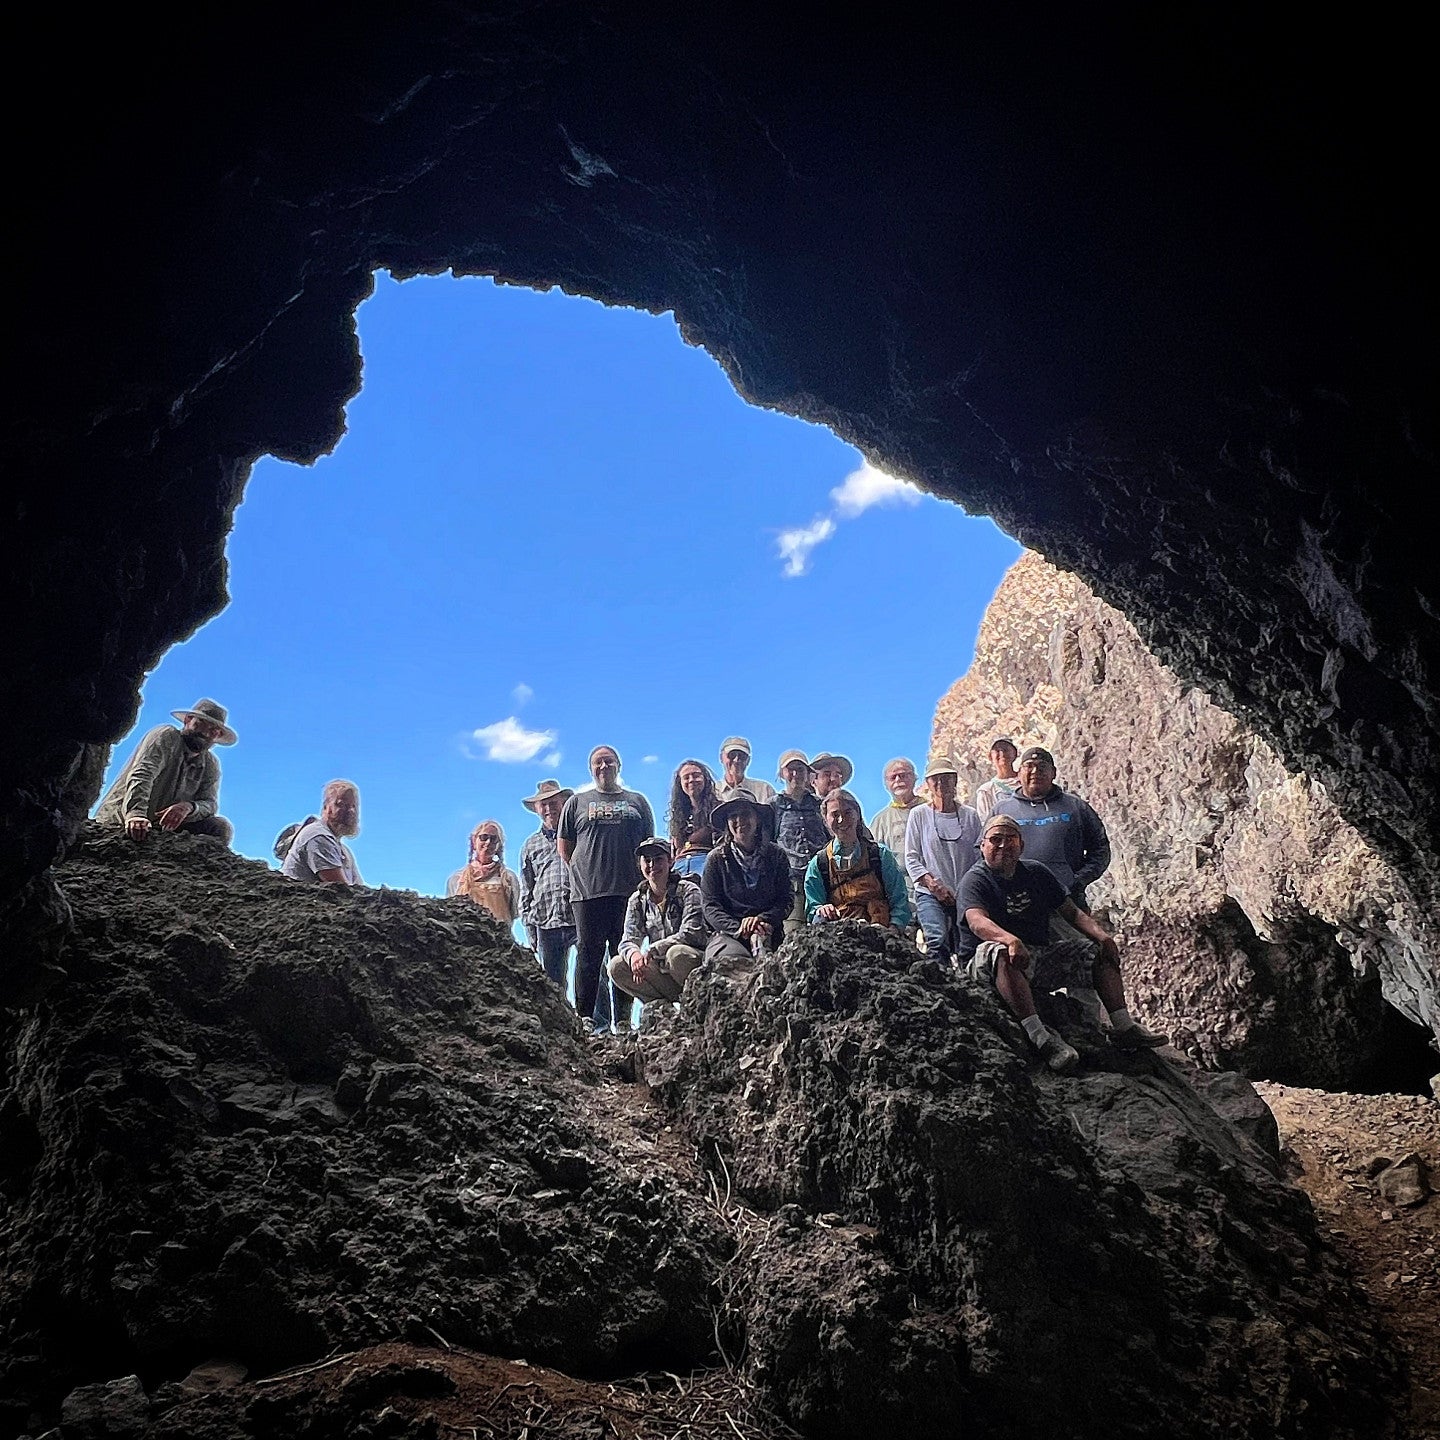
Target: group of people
997,887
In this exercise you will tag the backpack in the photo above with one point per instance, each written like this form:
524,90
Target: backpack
286,838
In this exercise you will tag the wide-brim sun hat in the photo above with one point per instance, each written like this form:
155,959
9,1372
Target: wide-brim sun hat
824,758
544,790
720,815
216,714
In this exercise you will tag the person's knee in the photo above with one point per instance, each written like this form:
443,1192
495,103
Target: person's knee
620,976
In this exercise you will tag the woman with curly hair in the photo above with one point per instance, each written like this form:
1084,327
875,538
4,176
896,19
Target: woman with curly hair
692,798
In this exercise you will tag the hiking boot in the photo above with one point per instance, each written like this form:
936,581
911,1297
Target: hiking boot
1058,1056
1137,1037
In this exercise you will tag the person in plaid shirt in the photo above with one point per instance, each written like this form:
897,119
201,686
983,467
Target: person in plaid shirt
545,885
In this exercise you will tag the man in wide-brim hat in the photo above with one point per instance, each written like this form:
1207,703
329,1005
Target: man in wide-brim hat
545,909
173,780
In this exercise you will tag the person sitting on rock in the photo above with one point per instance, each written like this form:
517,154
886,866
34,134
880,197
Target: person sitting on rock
486,879
1005,781
173,780
1007,908
746,891
940,845
1061,831
852,878
319,853
799,826
664,936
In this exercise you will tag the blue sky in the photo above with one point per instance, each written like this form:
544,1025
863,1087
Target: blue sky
552,525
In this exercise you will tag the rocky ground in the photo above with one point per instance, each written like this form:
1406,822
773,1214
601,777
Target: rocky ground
1368,1162
280,1128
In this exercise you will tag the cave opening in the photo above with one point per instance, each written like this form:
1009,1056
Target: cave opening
544,513
1405,1059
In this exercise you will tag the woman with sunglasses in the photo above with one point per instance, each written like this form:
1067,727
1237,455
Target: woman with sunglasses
485,880
940,846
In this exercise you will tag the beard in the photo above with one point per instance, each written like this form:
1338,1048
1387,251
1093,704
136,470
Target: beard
345,829
194,742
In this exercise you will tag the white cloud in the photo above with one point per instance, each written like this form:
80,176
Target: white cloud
794,546
520,694
554,758
649,759
510,742
868,486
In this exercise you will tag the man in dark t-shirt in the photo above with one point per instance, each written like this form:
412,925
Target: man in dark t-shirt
1006,907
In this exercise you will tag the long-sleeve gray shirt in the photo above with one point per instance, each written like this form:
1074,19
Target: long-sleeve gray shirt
1064,834
162,772
678,918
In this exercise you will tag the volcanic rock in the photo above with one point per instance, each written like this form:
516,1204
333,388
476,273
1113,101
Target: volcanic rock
944,1207
1257,925
898,1218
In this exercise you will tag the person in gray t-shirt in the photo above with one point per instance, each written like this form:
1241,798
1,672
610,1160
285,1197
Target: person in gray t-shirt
318,853
599,832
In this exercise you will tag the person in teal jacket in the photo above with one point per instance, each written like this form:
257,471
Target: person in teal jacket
854,877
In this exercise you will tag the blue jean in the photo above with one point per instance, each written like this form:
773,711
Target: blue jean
938,923
553,947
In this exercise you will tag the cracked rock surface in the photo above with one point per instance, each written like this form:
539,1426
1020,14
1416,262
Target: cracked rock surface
263,1123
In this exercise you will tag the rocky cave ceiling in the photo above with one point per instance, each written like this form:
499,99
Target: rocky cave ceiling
1150,294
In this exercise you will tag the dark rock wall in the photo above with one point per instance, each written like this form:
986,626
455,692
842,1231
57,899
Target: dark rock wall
1147,291
270,1122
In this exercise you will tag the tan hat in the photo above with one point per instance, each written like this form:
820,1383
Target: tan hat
734,742
216,714
824,758
720,815
941,765
787,757
543,791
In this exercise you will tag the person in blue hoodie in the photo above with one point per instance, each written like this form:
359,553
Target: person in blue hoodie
1059,829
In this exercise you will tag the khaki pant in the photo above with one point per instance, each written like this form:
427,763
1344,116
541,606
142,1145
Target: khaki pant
670,966
795,920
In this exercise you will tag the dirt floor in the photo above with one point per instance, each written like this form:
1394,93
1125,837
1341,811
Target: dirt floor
409,1392
1334,1145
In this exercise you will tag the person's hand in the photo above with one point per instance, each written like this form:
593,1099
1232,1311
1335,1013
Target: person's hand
827,912
747,926
1017,954
762,928
137,829
172,817
942,892
640,966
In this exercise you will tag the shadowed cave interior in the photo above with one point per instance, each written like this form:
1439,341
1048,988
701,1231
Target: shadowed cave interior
1149,293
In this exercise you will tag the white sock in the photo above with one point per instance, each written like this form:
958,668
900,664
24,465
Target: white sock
1121,1019
1035,1029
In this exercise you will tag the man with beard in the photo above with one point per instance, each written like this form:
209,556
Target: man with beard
319,852
172,780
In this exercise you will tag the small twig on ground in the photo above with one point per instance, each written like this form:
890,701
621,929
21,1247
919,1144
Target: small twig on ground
307,1369
438,1336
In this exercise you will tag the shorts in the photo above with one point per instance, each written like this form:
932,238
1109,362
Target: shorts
1053,966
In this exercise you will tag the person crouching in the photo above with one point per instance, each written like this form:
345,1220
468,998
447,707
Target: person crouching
746,891
664,936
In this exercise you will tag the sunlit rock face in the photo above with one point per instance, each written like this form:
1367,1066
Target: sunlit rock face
1148,293
1257,922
